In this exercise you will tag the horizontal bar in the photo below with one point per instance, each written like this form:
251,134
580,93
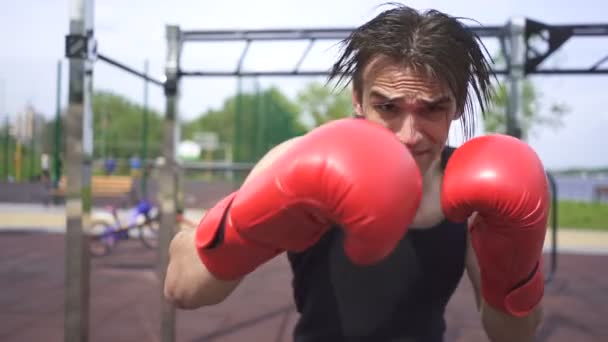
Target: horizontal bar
313,73
489,31
285,73
278,34
341,33
586,30
129,69
254,73
217,166
298,34
570,72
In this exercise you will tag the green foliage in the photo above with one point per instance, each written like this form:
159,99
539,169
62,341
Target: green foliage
532,116
118,127
30,160
251,122
323,104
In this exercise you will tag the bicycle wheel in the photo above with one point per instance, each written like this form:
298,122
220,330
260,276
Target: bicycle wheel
101,238
148,233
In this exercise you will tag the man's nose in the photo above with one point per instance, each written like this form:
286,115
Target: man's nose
408,131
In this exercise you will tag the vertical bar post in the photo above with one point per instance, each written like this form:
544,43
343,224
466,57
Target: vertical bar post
144,134
78,175
169,182
32,148
5,139
554,208
18,159
516,62
7,148
57,131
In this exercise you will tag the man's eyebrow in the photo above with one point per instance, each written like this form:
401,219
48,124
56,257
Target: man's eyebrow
437,101
427,102
385,97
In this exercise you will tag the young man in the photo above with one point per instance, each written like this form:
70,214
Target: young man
379,218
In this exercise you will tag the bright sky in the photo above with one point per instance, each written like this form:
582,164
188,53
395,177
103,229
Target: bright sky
32,35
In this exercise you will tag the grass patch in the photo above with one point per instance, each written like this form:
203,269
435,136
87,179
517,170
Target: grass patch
582,215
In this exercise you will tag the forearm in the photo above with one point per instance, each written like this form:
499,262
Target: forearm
500,326
188,283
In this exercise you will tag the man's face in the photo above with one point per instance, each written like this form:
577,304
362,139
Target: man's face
417,108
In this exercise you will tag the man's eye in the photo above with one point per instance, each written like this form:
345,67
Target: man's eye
435,113
435,108
386,107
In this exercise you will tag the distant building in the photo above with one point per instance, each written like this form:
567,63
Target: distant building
27,125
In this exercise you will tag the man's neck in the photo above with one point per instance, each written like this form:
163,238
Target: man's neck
432,176
430,213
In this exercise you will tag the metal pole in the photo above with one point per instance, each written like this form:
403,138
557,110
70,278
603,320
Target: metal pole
516,62
554,207
261,113
18,159
104,138
5,140
32,147
7,149
237,154
168,196
78,190
57,136
144,143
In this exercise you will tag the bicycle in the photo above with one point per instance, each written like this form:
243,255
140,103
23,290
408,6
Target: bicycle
145,218
105,235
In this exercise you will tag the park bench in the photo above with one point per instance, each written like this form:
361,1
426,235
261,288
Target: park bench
102,186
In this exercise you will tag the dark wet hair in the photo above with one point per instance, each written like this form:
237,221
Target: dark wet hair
431,42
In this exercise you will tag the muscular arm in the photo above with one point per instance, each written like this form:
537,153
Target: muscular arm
500,326
188,283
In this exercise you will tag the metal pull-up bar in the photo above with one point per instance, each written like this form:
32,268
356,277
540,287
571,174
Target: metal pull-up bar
554,35
296,34
287,34
130,70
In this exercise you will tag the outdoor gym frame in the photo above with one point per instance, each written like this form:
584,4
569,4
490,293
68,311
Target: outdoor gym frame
521,55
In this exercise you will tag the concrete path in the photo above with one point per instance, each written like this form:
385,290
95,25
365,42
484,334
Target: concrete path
18,217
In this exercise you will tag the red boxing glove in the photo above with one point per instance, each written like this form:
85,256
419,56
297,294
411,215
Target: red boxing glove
502,179
350,172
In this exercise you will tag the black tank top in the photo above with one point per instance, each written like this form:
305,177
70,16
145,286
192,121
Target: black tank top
402,298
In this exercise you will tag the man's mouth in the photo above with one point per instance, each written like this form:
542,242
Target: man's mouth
418,153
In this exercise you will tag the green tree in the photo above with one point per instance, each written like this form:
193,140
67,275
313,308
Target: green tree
118,127
252,122
533,116
322,104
